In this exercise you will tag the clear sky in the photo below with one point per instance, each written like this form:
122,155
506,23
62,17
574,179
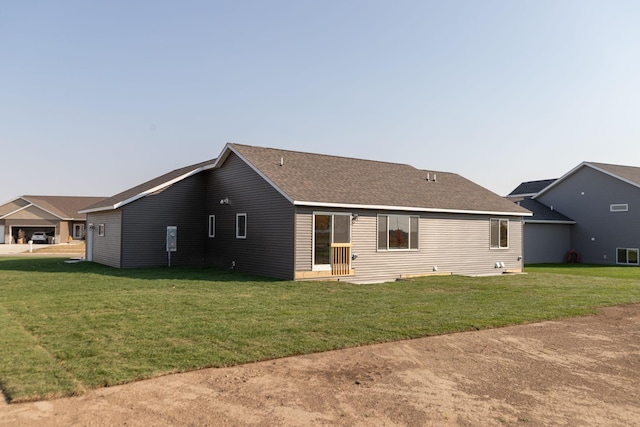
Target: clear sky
97,97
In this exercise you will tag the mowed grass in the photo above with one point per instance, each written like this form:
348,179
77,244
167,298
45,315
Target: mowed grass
71,327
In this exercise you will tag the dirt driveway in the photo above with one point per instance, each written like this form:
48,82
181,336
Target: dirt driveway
574,372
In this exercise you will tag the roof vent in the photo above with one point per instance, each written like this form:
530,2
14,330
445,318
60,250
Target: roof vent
281,161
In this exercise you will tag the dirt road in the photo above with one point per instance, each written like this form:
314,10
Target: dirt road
574,372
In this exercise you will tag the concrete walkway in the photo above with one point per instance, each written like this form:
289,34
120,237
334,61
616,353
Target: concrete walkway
15,249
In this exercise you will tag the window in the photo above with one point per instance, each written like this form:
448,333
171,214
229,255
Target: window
619,207
627,256
499,233
241,226
212,226
78,231
397,232
100,229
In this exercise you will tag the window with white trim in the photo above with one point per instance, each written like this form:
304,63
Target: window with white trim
78,231
627,256
241,226
397,232
619,207
212,226
100,229
499,233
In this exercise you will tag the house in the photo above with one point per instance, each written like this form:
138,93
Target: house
295,215
592,216
55,215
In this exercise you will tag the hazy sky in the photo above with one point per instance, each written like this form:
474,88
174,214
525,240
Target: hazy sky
96,97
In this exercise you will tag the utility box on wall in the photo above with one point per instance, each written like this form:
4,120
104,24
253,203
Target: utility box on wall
172,238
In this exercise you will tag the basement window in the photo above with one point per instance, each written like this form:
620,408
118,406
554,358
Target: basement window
627,256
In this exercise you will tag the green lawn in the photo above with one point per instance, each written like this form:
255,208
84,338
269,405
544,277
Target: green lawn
70,327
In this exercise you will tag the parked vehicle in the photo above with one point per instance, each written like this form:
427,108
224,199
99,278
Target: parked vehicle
40,237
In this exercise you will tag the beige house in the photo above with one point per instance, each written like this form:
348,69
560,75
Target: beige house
57,216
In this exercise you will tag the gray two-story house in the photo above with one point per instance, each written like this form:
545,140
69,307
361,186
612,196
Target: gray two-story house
589,215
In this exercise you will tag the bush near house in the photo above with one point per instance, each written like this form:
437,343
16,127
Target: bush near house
72,327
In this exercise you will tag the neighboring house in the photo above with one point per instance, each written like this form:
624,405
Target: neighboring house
600,204
55,215
295,215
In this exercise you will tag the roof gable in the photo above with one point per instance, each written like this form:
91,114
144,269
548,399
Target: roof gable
628,174
146,188
324,180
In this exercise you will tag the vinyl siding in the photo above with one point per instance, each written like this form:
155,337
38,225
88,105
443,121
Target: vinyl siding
458,244
145,221
304,240
269,246
585,197
107,248
546,243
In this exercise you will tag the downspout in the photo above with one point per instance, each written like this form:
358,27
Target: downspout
89,245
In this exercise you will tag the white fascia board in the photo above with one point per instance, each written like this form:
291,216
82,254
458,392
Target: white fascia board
143,194
255,169
408,209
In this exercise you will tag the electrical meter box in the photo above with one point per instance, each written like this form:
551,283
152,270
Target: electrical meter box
172,238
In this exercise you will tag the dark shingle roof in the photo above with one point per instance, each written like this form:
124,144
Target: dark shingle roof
141,190
324,179
543,213
531,187
64,207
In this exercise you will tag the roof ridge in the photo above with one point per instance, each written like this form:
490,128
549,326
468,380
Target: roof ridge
336,156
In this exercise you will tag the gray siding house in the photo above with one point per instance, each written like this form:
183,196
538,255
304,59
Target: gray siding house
590,214
294,215
604,201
